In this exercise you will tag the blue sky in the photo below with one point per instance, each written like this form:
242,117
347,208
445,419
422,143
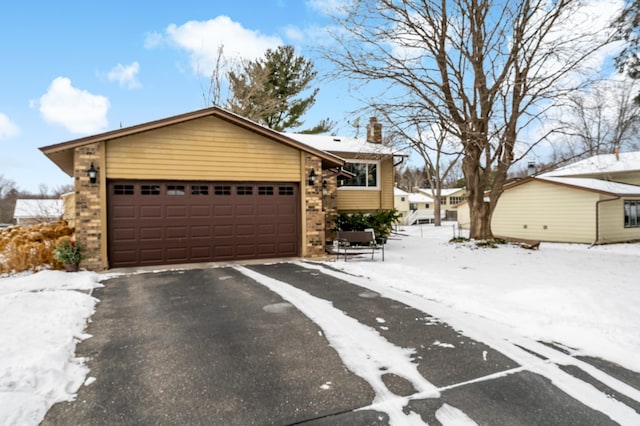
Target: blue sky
74,68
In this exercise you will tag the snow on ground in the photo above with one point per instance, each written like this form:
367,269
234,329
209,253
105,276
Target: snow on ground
42,318
582,297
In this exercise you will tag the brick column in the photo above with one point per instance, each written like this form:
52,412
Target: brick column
314,238
88,217
330,203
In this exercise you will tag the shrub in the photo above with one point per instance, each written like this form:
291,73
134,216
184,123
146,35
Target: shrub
381,222
24,248
67,251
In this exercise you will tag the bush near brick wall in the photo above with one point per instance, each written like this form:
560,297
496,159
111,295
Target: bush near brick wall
29,248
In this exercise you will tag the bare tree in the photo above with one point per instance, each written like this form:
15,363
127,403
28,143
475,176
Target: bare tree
8,195
482,69
435,147
599,121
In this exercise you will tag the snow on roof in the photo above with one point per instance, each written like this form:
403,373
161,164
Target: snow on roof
596,185
38,209
605,163
420,198
398,191
444,192
343,144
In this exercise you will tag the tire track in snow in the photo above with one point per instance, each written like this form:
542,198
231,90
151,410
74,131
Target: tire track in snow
362,349
502,339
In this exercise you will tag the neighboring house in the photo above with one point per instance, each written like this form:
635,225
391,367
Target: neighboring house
596,201
210,185
420,209
31,212
449,200
401,203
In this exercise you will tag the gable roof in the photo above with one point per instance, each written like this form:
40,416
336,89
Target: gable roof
596,185
399,192
344,144
38,208
62,153
600,164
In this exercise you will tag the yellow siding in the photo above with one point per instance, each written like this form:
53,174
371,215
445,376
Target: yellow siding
524,212
612,222
204,149
363,200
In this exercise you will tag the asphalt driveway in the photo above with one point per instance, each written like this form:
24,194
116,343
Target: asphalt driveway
212,346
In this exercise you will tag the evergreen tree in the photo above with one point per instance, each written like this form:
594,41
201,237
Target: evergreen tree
267,90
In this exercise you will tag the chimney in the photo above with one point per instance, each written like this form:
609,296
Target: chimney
531,168
374,131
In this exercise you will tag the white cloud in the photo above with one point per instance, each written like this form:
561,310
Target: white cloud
125,75
202,39
153,40
77,110
8,128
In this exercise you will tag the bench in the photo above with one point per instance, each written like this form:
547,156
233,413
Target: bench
358,241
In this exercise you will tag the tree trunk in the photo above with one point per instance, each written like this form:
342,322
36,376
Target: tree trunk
479,210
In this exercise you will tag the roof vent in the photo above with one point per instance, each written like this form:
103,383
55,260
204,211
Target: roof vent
337,140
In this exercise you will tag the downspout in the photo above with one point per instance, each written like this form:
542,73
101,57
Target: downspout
598,218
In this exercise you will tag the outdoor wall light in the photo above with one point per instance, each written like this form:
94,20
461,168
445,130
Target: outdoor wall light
325,184
312,177
92,173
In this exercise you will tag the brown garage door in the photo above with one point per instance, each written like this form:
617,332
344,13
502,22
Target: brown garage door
155,223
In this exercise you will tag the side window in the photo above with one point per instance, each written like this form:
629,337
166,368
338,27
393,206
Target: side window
150,189
366,175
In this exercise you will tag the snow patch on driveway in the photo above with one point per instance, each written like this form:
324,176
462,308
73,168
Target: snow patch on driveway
362,349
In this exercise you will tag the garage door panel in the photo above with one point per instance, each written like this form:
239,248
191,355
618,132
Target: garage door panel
151,234
124,212
174,232
201,231
200,211
153,223
150,212
177,212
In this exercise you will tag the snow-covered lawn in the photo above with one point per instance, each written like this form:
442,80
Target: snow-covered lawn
585,298
42,317
582,298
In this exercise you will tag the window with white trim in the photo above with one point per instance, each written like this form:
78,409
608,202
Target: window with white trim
632,214
366,175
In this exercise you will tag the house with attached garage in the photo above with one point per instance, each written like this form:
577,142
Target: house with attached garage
210,185
596,201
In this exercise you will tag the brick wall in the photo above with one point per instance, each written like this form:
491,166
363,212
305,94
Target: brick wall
314,239
330,203
87,210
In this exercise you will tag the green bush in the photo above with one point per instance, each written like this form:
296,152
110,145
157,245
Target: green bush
381,222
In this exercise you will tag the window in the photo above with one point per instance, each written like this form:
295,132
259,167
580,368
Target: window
265,190
244,190
199,190
413,206
150,189
222,190
455,200
285,190
123,189
443,201
175,189
631,214
366,175
402,199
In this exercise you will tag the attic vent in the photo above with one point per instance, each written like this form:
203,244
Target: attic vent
337,140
